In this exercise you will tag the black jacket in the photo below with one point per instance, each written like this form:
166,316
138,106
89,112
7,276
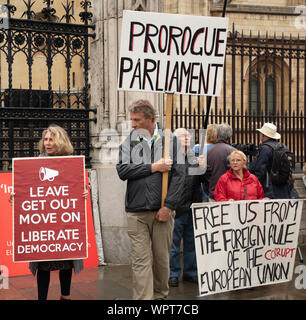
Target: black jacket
217,161
262,168
191,191
144,188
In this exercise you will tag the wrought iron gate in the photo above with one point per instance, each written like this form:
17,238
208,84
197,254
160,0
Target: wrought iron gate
264,81
42,57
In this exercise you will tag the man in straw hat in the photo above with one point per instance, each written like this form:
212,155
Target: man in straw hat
263,163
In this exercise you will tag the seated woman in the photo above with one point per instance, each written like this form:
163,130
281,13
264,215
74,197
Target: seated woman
238,183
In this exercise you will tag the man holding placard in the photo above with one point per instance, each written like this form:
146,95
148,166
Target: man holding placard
149,224
161,53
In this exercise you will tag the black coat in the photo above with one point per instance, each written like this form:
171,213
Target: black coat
191,191
144,188
217,160
262,168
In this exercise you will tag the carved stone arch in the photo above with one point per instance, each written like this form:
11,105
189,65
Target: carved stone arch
139,5
269,69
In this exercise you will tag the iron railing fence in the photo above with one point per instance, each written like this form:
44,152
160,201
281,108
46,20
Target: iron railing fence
41,56
264,81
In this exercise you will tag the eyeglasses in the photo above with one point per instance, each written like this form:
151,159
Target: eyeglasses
236,160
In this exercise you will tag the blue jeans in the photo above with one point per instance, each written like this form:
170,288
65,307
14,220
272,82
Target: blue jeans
183,229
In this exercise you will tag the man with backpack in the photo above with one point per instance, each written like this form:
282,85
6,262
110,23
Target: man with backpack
273,165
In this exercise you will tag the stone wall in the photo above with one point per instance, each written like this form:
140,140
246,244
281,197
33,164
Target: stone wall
274,19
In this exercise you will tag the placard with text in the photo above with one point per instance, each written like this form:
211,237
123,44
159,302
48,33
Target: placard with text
172,53
243,244
49,211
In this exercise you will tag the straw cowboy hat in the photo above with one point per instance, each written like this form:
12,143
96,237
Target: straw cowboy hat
269,130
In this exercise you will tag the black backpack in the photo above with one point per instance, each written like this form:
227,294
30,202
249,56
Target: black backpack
282,164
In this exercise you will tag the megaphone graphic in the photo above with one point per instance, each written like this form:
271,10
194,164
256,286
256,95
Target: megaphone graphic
47,174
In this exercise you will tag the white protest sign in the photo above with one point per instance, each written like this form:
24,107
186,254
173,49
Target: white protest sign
243,244
172,53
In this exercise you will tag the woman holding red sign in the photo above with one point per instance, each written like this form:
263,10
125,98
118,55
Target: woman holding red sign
55,142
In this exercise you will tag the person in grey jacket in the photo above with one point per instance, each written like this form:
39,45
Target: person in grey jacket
217,156
149,224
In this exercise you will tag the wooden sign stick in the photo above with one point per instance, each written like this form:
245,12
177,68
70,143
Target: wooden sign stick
167,128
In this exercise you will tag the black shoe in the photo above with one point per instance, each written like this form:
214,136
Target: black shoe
193,279
173,282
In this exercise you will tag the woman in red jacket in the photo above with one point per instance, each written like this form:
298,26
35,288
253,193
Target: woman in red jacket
238,183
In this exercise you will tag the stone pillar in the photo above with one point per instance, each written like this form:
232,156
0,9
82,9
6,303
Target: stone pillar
111,126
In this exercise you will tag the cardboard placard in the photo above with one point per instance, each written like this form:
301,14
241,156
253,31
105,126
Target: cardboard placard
172,53
243,244
49,211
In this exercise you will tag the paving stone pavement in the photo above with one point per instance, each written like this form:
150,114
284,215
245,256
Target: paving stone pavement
114,282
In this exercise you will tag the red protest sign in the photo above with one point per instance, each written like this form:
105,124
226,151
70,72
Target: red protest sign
6,232
6,236
49,212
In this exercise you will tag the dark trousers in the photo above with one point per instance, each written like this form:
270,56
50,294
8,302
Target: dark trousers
43,280
183,229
